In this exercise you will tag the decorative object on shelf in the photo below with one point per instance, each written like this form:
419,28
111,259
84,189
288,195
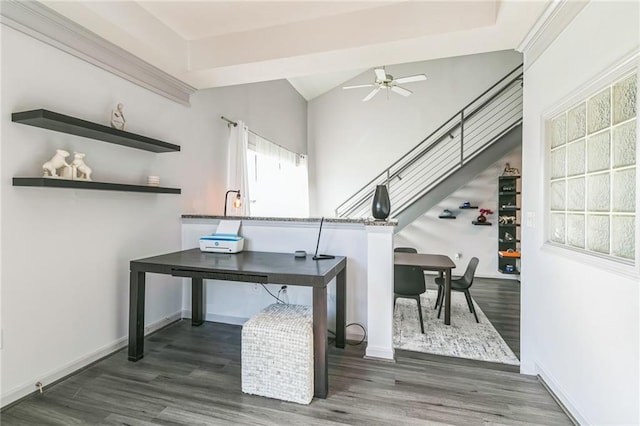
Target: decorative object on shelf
381,204
117,117
446,214
75,126
153,180
237,202
483,215
80,170
508,237
508,268
58,161
504,220
510,171
466,204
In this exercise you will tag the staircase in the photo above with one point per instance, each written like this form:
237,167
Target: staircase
462,147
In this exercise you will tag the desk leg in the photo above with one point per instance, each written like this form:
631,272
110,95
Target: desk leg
136,315
197,301
447,299
341,303
320,345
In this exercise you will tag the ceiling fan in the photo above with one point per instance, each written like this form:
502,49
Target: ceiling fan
386,81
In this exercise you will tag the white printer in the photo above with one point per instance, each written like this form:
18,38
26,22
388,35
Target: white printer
225,239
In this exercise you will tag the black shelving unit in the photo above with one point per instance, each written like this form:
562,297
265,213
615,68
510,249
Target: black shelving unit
446,217
468,207
475,222
44,182
508,205
75,126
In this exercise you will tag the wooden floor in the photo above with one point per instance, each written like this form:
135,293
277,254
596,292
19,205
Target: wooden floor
500,302
191,376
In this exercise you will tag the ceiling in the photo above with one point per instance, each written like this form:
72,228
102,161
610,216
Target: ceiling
316,45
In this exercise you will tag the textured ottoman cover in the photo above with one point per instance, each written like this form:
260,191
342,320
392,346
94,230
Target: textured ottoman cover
277,353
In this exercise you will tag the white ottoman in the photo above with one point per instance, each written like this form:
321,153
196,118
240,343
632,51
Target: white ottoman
277,353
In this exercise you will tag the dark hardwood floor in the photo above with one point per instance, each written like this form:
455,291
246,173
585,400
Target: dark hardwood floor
191,376
500,302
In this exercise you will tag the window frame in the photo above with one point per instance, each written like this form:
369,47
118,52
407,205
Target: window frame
606,79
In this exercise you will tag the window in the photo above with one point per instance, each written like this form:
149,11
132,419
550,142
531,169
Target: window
592,173
278,181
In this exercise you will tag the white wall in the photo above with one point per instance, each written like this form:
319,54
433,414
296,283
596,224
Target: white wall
273,110
351,142
429,234
580,323
65,253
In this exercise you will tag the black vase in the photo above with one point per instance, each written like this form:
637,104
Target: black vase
381,203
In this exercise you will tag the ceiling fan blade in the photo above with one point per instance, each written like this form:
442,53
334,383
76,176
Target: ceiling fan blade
381,75
371,94
401,90
411,79
357,86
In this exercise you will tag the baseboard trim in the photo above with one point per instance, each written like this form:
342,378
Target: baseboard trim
227,319
26,390
380,354
560,397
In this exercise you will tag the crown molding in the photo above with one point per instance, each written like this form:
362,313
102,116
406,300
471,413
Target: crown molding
44,24
548,27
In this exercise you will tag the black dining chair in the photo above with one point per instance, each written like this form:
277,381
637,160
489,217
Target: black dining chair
408,282
461,284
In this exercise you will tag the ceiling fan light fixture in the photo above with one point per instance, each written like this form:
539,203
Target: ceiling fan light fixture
386,81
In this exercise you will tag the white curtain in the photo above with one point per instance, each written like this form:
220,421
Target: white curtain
237,178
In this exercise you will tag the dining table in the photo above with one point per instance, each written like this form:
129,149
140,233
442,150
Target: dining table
431,262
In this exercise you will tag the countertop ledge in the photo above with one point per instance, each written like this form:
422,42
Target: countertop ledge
367,222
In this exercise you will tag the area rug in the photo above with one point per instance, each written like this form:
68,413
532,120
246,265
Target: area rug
464,338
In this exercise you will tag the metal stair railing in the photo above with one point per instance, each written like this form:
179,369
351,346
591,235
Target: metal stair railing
447,149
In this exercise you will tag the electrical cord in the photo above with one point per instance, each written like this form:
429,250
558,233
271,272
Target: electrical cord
364,338
273,295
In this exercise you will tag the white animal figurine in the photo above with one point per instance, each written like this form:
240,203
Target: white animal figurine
57,161
80,170
117,117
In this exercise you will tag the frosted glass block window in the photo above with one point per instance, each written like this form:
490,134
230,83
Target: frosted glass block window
592,173
576,152
576,122
599,152
600,111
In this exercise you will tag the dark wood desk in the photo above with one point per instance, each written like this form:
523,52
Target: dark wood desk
247,266
431,262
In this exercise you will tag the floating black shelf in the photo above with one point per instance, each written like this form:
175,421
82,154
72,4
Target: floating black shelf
446,217
75,126
508,225
500,240
512,208
475,222
508,177
509,193
83,184
469,207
